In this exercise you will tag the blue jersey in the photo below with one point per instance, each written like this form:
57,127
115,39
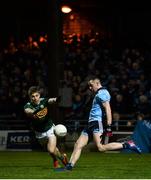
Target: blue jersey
97,112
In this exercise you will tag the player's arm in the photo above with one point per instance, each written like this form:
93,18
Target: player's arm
108,128
108,112
30,113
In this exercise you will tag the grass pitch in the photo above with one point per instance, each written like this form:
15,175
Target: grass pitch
91,165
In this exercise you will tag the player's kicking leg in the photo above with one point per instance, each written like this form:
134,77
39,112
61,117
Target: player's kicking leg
115,145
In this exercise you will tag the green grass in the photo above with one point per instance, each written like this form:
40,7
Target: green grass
91,165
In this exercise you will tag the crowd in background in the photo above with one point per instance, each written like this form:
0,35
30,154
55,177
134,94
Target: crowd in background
125,73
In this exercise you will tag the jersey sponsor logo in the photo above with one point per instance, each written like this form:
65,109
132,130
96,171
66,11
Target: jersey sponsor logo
42,113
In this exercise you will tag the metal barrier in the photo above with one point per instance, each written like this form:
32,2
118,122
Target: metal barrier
76,125
8,122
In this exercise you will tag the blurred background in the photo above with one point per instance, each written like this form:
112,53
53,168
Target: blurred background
58,51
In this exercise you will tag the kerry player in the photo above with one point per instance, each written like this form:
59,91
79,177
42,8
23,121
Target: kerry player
41,123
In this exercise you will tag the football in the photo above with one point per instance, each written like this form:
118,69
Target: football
60,130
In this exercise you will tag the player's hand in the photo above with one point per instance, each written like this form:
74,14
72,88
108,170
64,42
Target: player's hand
29,111
52,100
108,131
35,116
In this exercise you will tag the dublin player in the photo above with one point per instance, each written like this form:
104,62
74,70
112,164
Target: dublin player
100,111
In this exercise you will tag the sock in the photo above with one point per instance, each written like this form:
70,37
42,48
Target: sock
70,164
124,146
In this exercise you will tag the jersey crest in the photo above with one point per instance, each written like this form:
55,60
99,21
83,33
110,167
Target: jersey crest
42,113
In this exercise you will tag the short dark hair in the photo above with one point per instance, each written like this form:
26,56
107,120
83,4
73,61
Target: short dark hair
94,79
33,89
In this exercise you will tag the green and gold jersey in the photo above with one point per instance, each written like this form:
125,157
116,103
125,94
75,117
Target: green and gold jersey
43,122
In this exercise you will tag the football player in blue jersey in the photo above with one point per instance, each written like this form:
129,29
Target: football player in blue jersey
100,111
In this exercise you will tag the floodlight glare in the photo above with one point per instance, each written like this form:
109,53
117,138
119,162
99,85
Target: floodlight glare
66,9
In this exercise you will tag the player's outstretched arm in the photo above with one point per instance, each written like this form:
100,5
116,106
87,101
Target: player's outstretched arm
30,113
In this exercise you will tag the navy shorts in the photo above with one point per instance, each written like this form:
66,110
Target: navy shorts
93,127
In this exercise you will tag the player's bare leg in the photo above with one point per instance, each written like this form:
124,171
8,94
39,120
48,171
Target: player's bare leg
51,147
114,145
81,142
105,147
55,153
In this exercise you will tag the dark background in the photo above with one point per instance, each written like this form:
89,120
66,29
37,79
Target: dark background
126,19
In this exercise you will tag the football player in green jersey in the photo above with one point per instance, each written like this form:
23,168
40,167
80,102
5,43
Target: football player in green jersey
41,123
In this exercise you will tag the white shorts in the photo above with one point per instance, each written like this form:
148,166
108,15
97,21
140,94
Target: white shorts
47,134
